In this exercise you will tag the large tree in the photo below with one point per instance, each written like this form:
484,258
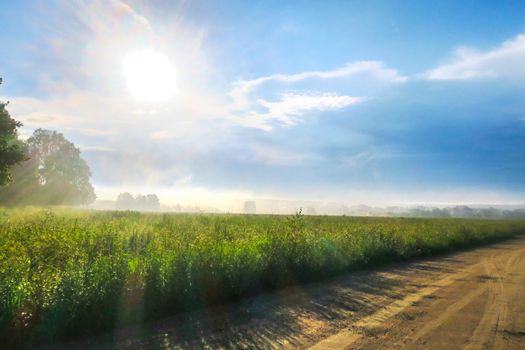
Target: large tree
62,173
11,149
55,174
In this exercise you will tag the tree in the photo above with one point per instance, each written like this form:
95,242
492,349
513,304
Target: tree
62,173
54,174
249,207
11,149
153,202
125,201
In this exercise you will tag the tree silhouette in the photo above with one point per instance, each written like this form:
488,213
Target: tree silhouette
11,149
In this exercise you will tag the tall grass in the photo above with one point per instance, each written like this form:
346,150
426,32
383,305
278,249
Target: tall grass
65,273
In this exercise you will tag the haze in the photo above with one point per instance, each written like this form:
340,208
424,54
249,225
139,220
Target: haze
213,103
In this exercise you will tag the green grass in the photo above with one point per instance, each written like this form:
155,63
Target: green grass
65,273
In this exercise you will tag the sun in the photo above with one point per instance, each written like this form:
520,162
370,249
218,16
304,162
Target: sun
150,76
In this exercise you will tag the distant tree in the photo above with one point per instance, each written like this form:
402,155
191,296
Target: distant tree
249,207
125,201
310,211
153,202
141,202
11,149
489,213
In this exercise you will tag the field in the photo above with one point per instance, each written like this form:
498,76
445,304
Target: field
65,273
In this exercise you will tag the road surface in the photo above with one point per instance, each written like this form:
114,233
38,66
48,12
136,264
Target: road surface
468,300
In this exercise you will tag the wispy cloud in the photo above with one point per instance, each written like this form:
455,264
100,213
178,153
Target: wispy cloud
291,108
507,60
96,132
376,70
103,17
170,134
251,106
97,148
122,8
362,158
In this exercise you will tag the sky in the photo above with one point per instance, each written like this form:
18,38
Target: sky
210,102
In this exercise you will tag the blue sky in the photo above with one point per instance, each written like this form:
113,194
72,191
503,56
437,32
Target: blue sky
351,101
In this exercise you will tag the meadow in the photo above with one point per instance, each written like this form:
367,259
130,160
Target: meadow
66,273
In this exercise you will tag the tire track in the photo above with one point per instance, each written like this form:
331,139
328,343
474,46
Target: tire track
490,281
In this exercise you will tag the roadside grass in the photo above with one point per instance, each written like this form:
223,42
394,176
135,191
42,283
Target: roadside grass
66,273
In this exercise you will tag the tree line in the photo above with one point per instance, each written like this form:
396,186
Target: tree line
45,169
139,202
462,211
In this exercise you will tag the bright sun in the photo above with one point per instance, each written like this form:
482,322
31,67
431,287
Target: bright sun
150,76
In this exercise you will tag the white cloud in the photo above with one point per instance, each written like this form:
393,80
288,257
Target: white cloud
376,70
291,108
170,134
507,60
184,181
162,135
85,114
97,148
96,132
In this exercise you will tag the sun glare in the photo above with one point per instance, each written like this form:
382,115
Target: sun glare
150,76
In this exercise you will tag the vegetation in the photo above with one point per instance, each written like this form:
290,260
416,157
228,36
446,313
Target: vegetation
65,273
53,174
45,169
11,149
126,201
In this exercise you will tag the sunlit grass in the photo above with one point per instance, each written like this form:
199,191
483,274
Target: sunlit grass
65,273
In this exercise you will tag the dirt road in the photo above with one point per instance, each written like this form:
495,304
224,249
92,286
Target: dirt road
468,300
480,306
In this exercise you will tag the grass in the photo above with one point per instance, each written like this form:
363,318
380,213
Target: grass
65,273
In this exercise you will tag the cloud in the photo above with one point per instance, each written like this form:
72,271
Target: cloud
104,17
97,148
291,108
507,60
362,158
85,114
287,99
96,132
184,181
169,135
375,69
123,9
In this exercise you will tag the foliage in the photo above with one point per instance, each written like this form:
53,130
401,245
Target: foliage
55,174
462,211
126,201
65,273
11,149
